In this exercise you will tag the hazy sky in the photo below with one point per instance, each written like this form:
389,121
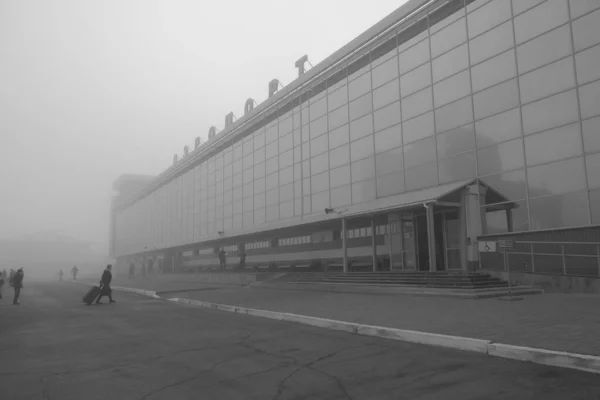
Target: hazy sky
93,89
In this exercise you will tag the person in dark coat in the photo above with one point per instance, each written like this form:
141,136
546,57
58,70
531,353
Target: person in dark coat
74,272
223,259
17,284
105,289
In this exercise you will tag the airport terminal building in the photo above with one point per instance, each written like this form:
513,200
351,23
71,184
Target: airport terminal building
446,124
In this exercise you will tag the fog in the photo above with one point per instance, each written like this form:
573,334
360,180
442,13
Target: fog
93,89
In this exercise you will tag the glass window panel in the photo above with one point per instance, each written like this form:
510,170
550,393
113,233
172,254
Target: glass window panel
248,204
421,177
386,94
238,208
595,206
556,178
503,157
248,162
420,152
340,176
499,128
553,145
272,165
272,196
286,143
445,15
589,99
298,154
318,108
237,168
319,163
385,72
339,156
305,133
286,192
363,169
387,116
286,175
451,89
592,163
450,63
248,175
339,136
319,182
510,185
306,186
259,170
488,16
359,86
272,181
580,7
591,134
551,79
496,220
587,65
417,103
297,172
361,127
273,212
319,145
541,19
338,98
341,196
414,56
388,139
544,49
362,148
491,43
544,114
361,106
286,210
259,185
272,150
318,127
456,141
285,126
320,201
522,5
449,37
457,167
305,151
454,114
259,155
560,211
496,99
259,139
418,128
248,219
586,31
270,135
390,161
415,80
494,70
237,180
363,191
338,117
390,184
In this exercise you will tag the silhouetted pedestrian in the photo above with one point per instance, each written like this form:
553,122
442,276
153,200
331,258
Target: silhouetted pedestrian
223,259
105,289
74,272
60,274
17,284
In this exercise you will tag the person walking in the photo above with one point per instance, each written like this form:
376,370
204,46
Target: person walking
3,279
74,272
223,259
17,284
242,259
105,289
60,274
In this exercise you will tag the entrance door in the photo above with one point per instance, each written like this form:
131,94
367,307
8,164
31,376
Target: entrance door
422,243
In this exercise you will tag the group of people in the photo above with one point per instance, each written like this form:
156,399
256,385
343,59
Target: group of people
223,259
146,270
74,272
14,279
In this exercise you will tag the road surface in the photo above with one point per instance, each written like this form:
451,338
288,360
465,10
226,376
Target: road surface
54,347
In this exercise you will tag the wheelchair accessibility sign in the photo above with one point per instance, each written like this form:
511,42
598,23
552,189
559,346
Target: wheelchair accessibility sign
487,247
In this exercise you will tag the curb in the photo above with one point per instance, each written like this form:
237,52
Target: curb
552,358
581,362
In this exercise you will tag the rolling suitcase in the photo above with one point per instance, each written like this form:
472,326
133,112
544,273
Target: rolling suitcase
91,295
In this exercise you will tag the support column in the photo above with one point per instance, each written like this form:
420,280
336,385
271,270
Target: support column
462,231
374,244
431,237
509,220
389,237
344,247
476,221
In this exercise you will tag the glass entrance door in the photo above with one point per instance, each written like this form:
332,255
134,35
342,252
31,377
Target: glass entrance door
403,241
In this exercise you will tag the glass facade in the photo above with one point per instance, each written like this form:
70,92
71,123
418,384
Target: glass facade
500,90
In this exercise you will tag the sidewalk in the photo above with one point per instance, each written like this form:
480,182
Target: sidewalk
563,322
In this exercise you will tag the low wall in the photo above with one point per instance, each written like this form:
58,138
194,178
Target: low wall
552,283
237,278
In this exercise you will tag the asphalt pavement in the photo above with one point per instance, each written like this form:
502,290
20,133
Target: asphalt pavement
54,347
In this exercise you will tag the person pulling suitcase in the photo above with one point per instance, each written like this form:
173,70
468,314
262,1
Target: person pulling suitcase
105,289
